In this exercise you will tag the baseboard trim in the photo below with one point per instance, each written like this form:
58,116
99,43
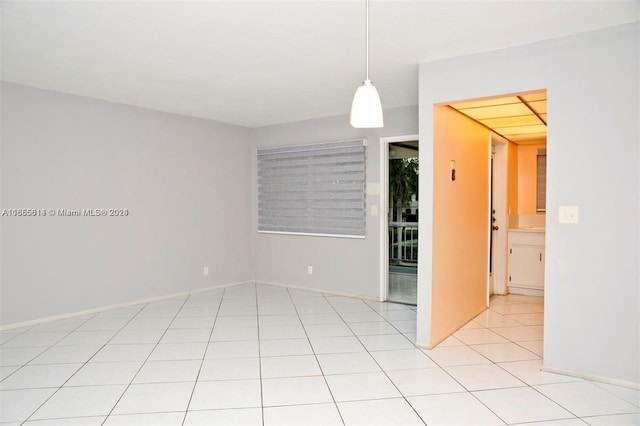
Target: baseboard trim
115,306
317,290
593,377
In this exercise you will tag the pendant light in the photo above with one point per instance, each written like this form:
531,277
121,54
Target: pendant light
366,109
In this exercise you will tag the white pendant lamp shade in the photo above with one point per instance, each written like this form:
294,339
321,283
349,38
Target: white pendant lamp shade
366,109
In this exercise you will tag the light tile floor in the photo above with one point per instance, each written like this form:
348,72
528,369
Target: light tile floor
262,355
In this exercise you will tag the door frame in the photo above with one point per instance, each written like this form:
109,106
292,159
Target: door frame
384,209
499,191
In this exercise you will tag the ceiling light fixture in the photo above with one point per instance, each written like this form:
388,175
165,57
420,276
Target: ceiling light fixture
366,109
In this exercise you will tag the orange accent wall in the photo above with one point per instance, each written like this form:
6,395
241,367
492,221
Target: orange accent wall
460,222
512,178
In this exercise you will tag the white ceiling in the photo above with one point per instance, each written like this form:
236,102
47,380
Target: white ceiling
257,63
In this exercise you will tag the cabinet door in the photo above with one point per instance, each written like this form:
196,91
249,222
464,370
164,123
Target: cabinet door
527,266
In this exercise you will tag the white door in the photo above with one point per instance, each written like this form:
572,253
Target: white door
499,217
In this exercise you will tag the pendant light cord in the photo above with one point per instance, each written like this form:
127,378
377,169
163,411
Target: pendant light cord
367,55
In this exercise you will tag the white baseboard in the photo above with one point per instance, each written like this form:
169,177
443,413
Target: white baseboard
593,377
317,290
116,306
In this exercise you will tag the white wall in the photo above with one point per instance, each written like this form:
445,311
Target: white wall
592,315
343,265
185,182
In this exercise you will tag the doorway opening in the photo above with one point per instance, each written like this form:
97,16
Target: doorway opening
498,140
400,168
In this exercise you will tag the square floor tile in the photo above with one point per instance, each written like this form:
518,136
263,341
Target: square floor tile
628,394
151,419
361,386
105,373
403,359
196,322
67,354
528,319
476,336
483,376
98,337
446,356
296,415
230,369
586,399
271,332
521,405
453,409
7,371
290,366
520,334
235,417
615,419
40,376
295,391
531,373
178,351
371,328
249,321
116,353
491,318
384,342
154,398
358,362
502,352
32,338
367,316
535,346
321,318
20,355
69,421
226,394
168,371
82,401
328,330
234,334
285,347
424,381
328,345
103,323
265,320
395,411
246,349
135,337
180,335
18,405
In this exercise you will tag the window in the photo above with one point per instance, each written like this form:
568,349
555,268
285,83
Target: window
541,181
314,189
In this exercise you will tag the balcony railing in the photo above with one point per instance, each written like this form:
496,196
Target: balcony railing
403,243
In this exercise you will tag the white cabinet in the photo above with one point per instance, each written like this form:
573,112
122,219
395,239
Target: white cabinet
526,262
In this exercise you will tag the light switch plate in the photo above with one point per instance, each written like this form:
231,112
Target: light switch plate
569,214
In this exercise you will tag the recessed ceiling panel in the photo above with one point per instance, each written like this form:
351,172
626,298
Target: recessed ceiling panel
519,118
509,110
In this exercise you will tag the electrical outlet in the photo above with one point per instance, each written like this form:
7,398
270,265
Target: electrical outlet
569,214
205,271
310,270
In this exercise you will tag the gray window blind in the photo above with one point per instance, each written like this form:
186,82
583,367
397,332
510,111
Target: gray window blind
314,189
541,174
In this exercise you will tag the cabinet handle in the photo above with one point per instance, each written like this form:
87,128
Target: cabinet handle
540,257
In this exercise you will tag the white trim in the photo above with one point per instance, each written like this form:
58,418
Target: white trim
384,208
593,377
317,290
309,234
115,306
500,189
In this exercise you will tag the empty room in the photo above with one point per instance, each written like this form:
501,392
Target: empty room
320,212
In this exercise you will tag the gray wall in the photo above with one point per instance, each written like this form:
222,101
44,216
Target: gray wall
185,182
592,313
350,266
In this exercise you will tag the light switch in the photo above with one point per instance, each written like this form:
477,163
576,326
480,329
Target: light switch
374,210
569,214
